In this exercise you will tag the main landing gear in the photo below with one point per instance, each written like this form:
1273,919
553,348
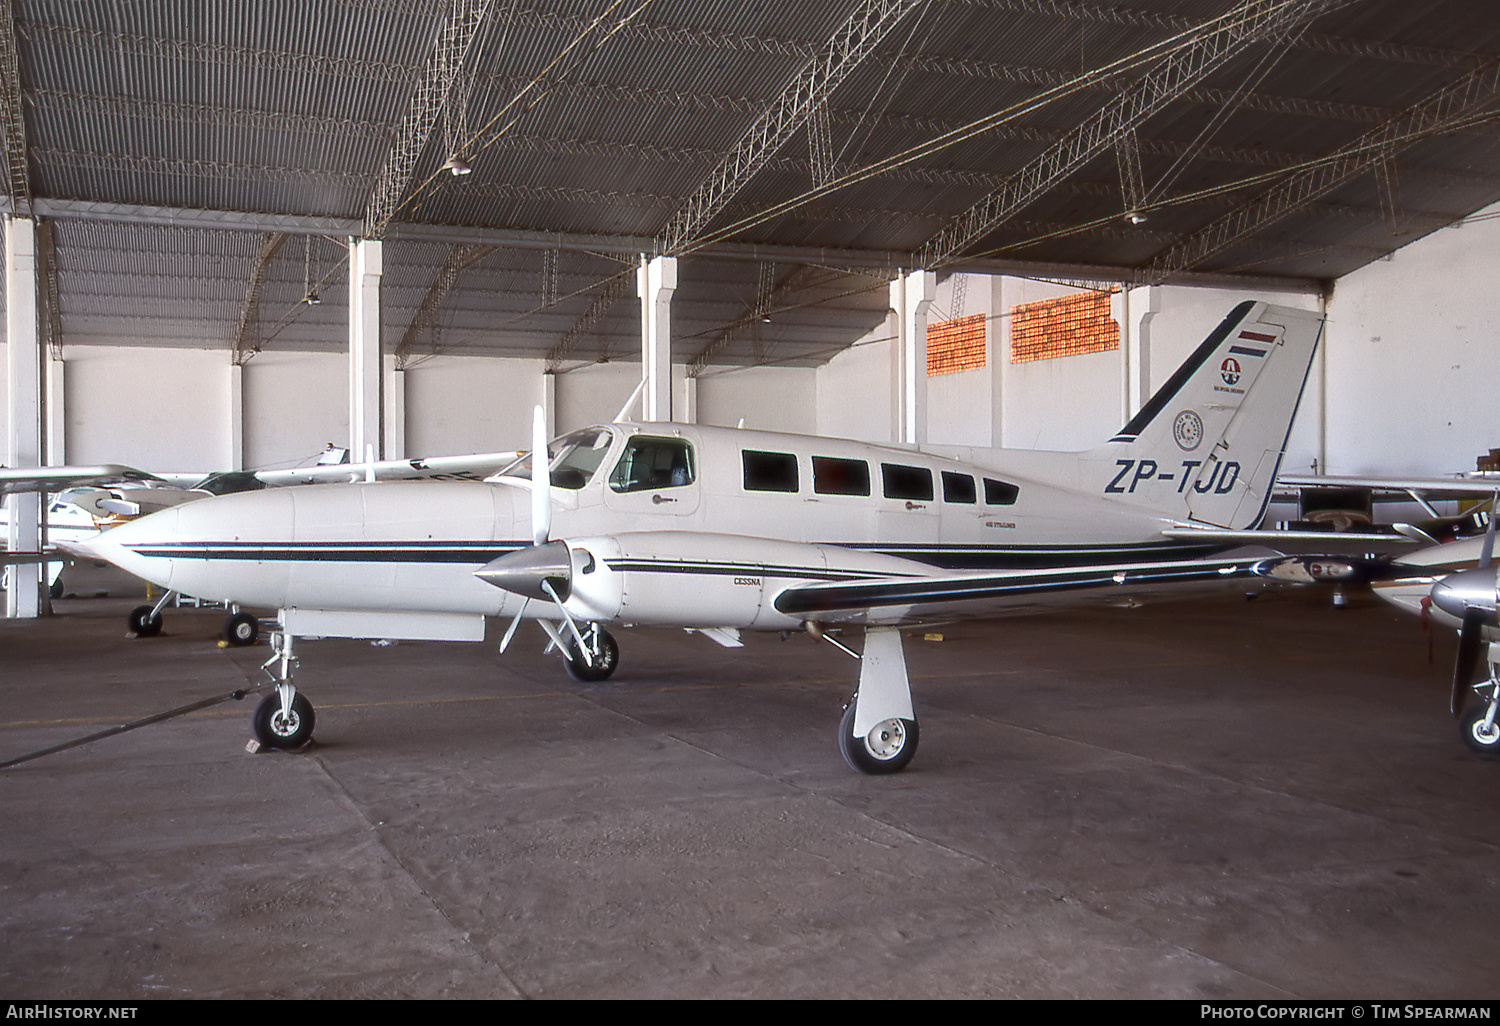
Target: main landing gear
240,628
878,732
283,720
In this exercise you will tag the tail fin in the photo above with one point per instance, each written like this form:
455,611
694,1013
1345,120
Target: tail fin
1207,446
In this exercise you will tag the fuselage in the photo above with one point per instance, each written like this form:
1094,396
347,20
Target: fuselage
734,501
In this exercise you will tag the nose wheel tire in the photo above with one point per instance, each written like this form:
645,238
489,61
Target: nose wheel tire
241,629
144,623
606,660
885,749
286,732
1481,741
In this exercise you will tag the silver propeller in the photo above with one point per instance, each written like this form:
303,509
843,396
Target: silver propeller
543,571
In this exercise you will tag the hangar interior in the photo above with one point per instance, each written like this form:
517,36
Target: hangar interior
198,176
239,232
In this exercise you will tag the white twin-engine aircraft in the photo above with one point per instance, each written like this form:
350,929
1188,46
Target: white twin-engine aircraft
722,530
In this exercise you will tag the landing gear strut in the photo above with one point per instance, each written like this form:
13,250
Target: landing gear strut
1480,727
145,621
284,720
878,732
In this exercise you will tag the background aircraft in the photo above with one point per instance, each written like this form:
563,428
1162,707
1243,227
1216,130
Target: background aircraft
721,530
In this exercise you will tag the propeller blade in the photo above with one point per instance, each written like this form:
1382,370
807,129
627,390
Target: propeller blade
1489,535
510,631
1470,638
541,481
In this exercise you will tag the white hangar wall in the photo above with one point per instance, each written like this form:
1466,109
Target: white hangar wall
1068,403
1414,356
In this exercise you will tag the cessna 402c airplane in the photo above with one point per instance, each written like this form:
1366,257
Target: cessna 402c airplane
721,530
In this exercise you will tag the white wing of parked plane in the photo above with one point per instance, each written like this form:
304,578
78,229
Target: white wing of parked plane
56,479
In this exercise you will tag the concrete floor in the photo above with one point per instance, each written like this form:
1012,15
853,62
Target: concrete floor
1221,799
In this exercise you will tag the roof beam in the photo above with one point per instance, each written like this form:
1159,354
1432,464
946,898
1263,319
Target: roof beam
1444,111
808,91
459,260
246,337
450,49
1209,48
860,33
12,119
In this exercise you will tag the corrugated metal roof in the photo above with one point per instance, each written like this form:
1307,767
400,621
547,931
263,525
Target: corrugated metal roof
143,117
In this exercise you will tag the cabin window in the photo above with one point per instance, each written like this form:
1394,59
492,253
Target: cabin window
832,476
770,471
902,482
1000,493
959,488
652,463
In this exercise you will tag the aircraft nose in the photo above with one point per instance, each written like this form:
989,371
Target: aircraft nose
1458,593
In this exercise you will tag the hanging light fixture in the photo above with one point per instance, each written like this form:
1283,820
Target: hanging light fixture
456,165
310,291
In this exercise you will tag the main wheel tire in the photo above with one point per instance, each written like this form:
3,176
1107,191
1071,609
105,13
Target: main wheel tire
605,662
273,730
241,629
885,749
1480,741
143,623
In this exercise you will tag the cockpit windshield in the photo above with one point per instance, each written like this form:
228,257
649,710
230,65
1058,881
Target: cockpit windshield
574,457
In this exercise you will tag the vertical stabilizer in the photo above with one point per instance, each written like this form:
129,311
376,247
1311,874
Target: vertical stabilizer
1207,446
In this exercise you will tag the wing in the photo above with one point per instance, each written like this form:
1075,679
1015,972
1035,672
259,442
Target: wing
56,479
1402,488
472,467
965,594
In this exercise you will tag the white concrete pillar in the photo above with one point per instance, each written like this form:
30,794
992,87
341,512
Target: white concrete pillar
656,280
1135,310
997,357
57,419
548,399
234,459
23,435
395,411
688,413
366,264
911,298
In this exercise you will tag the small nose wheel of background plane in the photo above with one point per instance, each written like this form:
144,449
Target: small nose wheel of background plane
241,629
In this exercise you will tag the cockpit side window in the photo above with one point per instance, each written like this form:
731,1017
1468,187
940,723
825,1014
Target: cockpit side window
652,463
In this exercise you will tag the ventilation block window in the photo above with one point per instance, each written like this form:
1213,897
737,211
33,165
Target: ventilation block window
956,345
1068,326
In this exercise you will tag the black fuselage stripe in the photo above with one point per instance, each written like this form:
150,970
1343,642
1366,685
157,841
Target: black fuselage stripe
823,599
948,557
